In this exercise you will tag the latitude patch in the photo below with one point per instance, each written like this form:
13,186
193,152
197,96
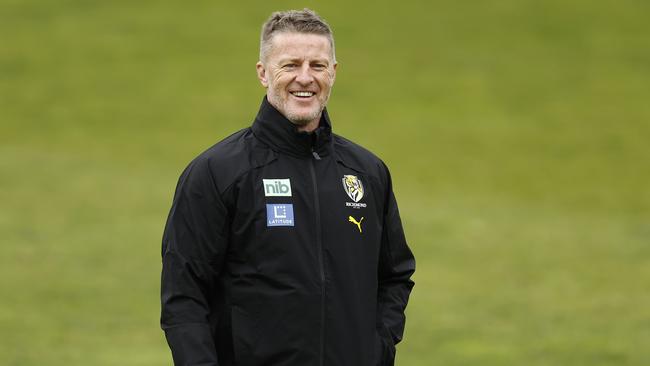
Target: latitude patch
279,214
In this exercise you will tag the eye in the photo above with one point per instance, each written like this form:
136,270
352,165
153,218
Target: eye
319,67
289,66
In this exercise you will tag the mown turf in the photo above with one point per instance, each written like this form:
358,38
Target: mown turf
516,132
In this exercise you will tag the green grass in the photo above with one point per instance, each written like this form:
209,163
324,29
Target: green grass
516,132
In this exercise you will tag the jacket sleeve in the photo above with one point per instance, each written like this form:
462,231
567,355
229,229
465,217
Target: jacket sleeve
193,249
396,265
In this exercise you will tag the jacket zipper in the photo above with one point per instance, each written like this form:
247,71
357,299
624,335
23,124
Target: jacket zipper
319,244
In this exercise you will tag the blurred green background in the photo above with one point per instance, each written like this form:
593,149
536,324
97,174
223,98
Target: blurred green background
516,131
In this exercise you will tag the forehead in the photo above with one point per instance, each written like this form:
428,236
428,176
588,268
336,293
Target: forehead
300,45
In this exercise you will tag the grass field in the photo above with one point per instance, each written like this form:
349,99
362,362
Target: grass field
516,131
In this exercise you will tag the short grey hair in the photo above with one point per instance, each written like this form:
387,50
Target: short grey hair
298,21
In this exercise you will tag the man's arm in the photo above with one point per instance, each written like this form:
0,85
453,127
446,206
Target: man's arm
193,249
396,265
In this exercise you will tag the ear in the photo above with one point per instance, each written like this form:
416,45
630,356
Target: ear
261,74
334,72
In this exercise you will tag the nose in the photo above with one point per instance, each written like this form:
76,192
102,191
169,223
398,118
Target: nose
304,76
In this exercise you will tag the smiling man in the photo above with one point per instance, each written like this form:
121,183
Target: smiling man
284,245
298,71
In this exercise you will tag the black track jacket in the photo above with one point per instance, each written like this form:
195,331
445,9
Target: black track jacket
284,248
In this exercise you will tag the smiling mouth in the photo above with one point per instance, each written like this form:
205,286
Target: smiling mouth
303,94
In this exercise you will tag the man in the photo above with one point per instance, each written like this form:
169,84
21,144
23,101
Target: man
284,245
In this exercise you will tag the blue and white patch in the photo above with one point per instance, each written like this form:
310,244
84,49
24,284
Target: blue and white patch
279,214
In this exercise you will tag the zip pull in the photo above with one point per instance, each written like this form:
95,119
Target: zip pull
316,156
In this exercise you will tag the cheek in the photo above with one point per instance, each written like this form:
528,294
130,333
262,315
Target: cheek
326,82
280,78
328,78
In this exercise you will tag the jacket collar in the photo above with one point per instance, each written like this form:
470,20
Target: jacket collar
281,135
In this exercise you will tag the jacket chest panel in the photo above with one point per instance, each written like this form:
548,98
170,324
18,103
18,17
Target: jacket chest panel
271,230
351,229
276,222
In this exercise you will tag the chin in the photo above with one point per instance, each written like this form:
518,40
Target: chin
303,118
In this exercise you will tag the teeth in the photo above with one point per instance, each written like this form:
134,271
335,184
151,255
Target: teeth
303,94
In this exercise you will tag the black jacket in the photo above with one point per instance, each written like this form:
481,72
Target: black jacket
284,249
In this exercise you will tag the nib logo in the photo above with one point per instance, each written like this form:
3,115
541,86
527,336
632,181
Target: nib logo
277,187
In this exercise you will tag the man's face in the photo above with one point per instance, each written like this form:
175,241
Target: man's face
298,75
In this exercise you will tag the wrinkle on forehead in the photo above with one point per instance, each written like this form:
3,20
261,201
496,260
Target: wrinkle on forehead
300,46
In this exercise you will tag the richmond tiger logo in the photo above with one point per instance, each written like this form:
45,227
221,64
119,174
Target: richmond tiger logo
353,187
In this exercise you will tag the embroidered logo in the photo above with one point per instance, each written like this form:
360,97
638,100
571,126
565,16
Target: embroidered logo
277,187
358,223
279,214
353,187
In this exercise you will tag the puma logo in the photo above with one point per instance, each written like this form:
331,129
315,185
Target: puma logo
354,221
